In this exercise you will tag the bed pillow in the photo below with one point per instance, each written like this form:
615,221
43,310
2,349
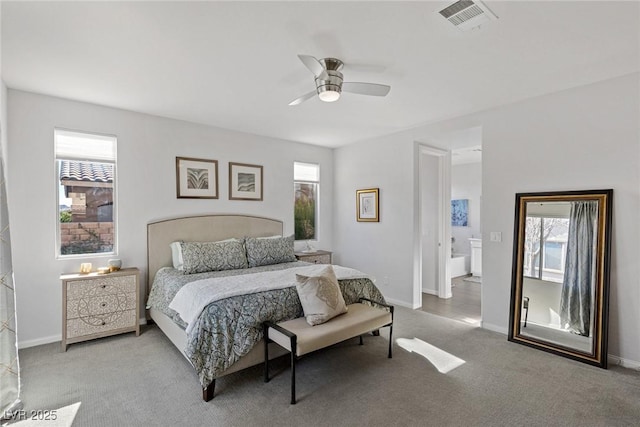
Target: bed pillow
176,255
200,257
269,250
320,296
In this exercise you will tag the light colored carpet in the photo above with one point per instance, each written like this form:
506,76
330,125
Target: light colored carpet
473,279
128,380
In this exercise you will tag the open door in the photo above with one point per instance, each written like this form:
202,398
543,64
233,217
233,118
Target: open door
434,225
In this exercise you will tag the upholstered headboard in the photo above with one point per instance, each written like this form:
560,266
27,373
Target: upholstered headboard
203,228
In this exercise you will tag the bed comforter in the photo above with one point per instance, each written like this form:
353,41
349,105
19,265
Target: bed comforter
229,328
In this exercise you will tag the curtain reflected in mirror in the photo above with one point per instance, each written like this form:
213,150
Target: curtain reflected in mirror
560,273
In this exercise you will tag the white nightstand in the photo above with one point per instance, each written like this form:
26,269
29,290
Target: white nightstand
98,305
317,257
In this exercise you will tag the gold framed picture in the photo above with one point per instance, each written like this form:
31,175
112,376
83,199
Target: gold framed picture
367,205
245,182
196,178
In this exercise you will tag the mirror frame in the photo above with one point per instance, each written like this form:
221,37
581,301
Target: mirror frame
598,354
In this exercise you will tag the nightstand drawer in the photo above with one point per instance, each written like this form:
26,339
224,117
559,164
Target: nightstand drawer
317,257
100,286
108,303
98,324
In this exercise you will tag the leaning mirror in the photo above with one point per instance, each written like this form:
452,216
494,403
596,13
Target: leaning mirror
560,280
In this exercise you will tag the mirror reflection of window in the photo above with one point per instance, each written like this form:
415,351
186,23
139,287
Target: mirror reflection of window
545,248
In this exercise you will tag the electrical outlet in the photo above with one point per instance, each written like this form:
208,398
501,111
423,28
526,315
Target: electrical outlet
495,236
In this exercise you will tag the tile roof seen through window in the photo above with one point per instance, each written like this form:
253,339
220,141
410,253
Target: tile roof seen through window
85,171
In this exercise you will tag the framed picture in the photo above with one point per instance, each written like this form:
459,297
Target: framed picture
460,212
245,181
367,204
196,178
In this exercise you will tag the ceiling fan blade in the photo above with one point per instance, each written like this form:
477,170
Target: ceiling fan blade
314,66
303,98
373,89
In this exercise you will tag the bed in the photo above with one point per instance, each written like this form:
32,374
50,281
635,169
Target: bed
227,336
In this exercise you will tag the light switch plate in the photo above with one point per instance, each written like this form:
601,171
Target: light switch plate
496,236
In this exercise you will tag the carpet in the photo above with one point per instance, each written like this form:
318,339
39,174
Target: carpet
473,279
478,378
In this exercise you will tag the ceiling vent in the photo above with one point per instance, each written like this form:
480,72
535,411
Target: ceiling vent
467,14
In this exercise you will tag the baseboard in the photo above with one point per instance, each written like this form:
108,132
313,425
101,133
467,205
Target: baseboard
39,341
432,292
53,338
494,328
401,303
625,363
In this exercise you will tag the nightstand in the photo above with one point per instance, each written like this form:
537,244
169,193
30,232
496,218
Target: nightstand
98,305
316,257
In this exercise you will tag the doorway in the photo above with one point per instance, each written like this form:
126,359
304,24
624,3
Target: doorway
457,177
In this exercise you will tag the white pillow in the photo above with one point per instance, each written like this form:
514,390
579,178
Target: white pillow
176,255
320,296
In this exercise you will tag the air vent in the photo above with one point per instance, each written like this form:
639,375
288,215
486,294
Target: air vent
467,14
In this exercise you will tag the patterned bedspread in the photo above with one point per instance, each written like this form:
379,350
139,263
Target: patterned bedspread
228,329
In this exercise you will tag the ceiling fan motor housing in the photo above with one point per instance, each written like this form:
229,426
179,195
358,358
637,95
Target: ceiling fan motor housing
334,81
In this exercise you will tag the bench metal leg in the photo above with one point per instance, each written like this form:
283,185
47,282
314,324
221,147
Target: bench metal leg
361,342
391,310
293,372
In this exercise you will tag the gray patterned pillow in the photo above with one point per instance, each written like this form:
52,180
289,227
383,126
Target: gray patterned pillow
269,250
320,296
200,257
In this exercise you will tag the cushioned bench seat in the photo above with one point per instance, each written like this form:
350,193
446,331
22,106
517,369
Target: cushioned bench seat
300,338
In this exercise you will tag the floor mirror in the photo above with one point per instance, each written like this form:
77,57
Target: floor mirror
560,278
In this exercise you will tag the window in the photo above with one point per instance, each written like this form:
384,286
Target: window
85,180
545,248
306,177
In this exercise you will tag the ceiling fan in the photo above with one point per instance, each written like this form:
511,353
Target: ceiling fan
330,84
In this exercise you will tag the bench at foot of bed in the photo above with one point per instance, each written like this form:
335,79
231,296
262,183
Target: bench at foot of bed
299,338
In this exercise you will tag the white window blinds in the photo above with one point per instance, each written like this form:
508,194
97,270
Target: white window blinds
71,145
308,172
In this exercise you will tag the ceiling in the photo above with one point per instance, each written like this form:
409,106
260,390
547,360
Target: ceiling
234,64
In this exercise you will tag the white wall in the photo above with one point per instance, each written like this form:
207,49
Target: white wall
466,183
544,301
383,249
582,138
146,189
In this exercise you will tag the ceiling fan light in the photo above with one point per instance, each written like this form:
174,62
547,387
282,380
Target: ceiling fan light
329,96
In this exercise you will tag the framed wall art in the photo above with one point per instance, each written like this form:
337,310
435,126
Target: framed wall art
196,178
460,212
245,181
367,205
